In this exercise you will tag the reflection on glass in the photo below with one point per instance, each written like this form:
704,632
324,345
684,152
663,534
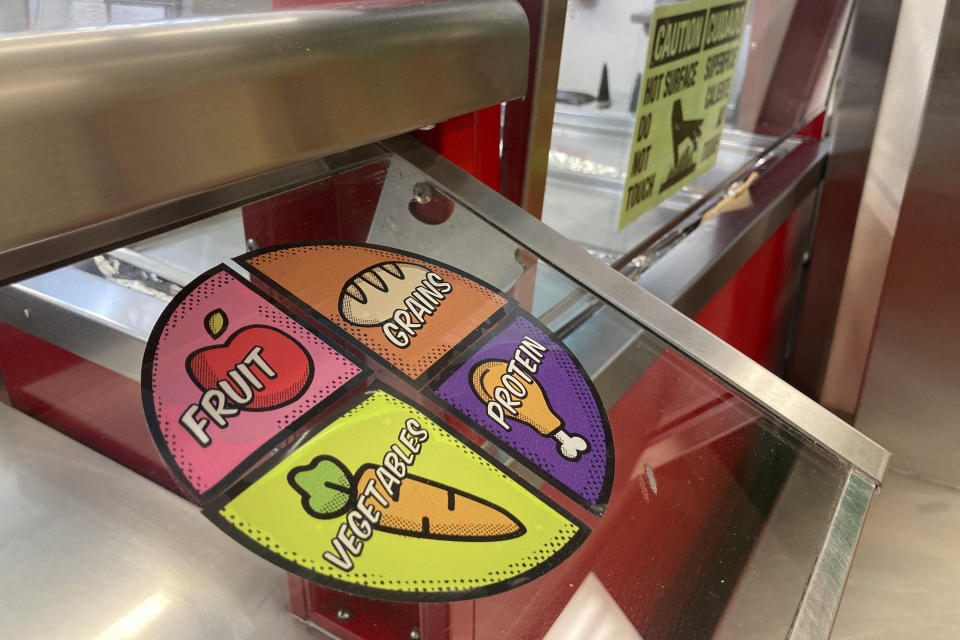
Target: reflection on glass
592,613
137,620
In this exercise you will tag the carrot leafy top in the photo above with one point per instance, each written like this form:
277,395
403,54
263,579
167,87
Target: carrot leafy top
324,486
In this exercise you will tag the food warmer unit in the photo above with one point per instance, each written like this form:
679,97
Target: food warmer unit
328,184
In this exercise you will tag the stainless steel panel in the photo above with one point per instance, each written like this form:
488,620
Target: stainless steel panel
543,95
449,242
93,550
911,393
894,145
99,123
683,334
794,49
852,124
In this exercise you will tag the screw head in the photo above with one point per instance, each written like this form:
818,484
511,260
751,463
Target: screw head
344,614
252,245
415,633
423,193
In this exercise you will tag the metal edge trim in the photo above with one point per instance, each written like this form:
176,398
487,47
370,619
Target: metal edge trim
821,598
678,331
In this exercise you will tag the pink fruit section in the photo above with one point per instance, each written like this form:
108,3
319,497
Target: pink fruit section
173,390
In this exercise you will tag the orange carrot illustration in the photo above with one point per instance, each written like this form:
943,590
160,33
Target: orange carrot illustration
415,507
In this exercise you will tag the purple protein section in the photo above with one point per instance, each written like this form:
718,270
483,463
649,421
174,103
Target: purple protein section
568,394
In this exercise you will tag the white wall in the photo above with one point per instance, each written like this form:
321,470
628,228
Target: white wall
599,31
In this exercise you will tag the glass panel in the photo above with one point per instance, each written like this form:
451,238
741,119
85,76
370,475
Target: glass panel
785,66
704,478
712,499
708,487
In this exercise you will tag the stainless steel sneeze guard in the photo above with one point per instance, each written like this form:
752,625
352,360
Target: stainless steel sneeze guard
99,123
683,334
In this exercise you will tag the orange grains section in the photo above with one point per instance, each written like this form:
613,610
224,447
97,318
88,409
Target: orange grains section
320,275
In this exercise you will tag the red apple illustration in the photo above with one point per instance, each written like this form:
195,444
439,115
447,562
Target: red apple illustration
258,367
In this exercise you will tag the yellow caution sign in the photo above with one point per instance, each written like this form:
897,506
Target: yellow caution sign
682,105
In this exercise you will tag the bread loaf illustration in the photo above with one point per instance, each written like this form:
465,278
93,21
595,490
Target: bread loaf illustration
370,297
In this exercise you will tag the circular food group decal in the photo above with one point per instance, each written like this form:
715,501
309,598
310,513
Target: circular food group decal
299,407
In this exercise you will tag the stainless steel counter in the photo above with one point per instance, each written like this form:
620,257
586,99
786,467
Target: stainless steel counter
93,550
